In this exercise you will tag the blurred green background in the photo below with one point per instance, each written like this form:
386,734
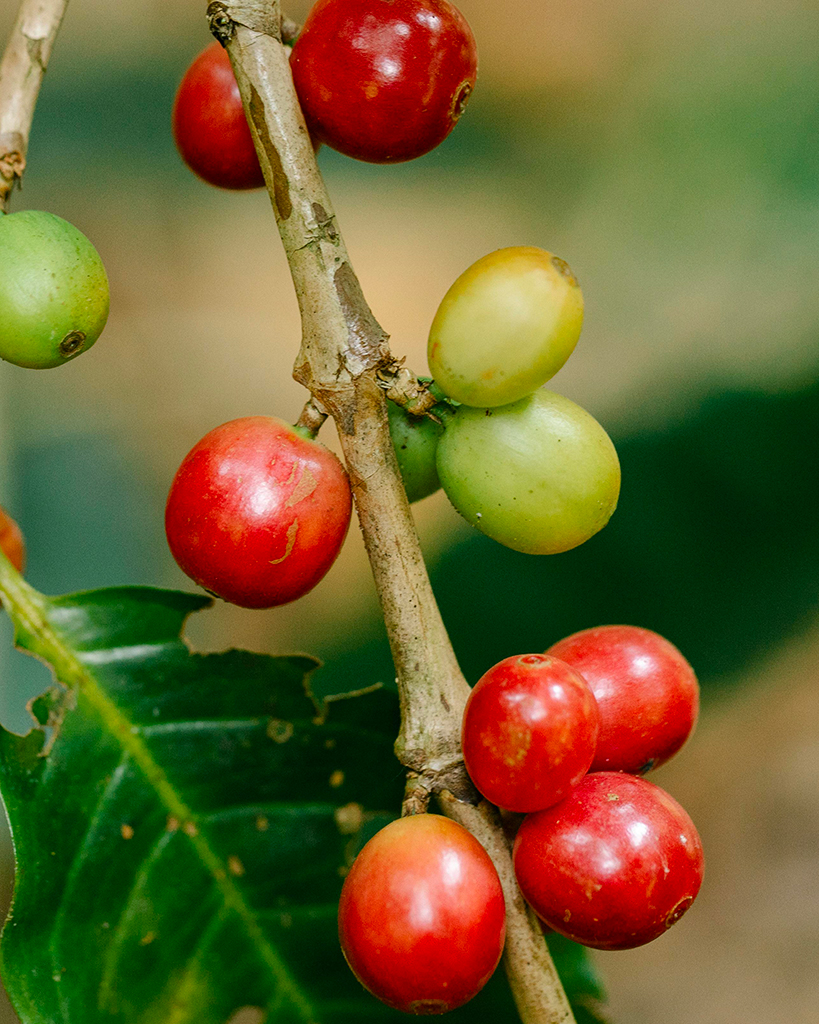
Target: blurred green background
671,154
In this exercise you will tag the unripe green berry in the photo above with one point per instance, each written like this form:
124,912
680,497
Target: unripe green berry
415,439
540,475
53,290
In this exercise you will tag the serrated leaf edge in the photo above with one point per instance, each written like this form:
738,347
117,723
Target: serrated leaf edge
29,611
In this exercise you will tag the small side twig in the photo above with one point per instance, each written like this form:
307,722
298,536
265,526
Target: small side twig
290,30
312,417
21,74
404,388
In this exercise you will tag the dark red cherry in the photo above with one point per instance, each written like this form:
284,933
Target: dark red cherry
384,80
209,124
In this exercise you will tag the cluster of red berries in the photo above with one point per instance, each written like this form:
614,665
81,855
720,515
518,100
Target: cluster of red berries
379,80
603,856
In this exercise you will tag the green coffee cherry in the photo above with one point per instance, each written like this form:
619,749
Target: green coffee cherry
540,476
505,327
415,439
53,290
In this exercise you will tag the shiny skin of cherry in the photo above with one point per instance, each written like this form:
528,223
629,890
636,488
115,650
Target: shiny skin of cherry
383,80
209,124
612,866
529,732
421,918
647,693
257,513
11,541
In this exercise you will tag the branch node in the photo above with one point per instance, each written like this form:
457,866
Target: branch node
257,15
12,167
220,22
405,389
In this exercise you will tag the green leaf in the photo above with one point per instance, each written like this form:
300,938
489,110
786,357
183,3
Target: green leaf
182,832
182,824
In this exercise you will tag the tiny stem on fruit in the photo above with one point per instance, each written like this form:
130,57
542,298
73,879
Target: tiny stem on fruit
290,30
342,361
21,73
311,418
416,795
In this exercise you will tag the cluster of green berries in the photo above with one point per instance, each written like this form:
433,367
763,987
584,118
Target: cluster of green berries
522,464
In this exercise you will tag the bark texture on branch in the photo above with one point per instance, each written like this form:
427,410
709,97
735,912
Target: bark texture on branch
345,362
21,74
342,352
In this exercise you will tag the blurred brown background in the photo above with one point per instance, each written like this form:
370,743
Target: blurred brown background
671,154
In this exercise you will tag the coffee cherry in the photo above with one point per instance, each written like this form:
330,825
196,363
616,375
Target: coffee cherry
612,866
11,541
53,290
209,125
647,693
415,440
505,327
540,475
529,732
422,917
257,513
383,80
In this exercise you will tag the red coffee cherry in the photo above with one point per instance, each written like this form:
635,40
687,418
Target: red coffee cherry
529,732
257,513
422,917
612,866
647,693
384,80
11,541
209,124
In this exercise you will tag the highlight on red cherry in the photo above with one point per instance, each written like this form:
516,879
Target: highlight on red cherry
612,866
384,80
530,732
422,917
646,691
258,512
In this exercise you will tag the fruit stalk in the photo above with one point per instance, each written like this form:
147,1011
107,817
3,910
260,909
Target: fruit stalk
21,74
343,353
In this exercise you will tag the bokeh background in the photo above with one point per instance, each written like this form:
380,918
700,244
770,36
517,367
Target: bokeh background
670,153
